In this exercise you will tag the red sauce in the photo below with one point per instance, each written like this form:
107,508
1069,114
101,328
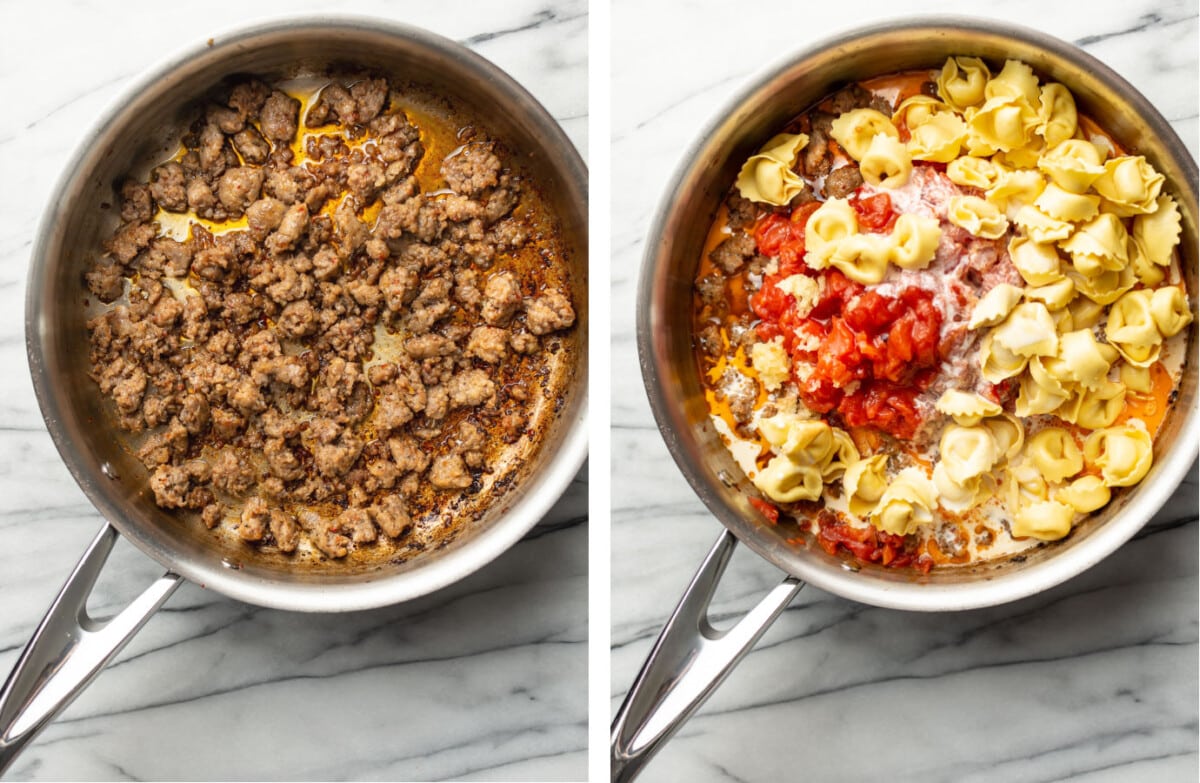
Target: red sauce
871,545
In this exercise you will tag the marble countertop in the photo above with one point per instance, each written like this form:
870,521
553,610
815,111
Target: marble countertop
483,680
1094,680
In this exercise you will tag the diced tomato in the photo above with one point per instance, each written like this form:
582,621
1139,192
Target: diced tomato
819,394
771,232
802,213
884,347
782,237
874,212
839,290
870,312
884,405
791,258
770,302
870,545
768,510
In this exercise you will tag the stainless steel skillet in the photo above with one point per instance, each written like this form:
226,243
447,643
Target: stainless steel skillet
691,658
69,648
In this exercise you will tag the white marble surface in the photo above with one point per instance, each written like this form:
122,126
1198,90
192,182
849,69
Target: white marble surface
483,680
1095,680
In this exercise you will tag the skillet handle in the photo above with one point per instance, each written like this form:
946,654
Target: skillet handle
688,662
69,649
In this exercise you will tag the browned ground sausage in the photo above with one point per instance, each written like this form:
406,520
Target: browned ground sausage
245,353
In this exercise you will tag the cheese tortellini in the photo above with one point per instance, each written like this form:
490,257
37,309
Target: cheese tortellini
1157,233
1129,185
906,504
808,452
1073,164
768,177
833,240
1085,494
1054,452
886,163
857,129
966,408
864,483
1132,328
979,217
1123,454
1048,520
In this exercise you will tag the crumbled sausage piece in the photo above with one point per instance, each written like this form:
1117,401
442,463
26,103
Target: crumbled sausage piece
106,280
501,298
264,215
194,414
336,459
512,426
232,473
284,184
239,188
365,179
407,454
469,441
742,212
248,98
255,517
429,345
202,200
488,343
171,257
843,181
279,116
379,374
524,343
733,252
130,240
168,187
391,515
135,202
298,319
470,388
212,515
352,233
170,484
284,530
370,95
334,103
399,287
357,523
548,313
282,461
323,533
449,472
291,227
229,120
251,145
474,168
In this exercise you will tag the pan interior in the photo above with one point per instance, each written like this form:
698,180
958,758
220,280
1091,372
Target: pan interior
676,244
143,130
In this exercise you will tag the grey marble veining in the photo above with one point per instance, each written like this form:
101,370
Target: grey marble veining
483,680
1095,680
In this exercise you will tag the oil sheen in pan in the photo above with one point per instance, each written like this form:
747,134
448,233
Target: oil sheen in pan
438,517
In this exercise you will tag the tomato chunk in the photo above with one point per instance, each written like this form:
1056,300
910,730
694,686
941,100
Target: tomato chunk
875,213
861,353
